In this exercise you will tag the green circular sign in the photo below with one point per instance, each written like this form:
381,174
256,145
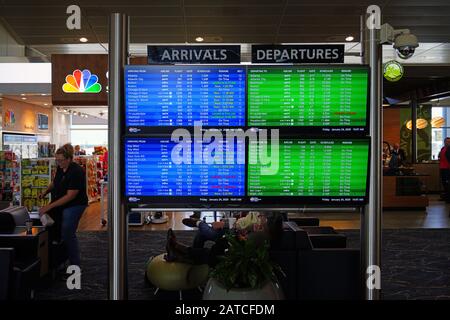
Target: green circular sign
393,71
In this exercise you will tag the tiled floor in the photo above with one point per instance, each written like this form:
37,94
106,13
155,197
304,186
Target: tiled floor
436,216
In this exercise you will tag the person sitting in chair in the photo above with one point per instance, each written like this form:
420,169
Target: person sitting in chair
270,230
398,159
217,229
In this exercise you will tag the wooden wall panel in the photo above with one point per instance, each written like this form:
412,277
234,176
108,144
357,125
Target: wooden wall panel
391,125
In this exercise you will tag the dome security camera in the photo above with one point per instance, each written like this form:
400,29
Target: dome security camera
404,42
405,45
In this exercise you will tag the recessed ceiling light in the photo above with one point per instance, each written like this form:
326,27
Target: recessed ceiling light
45,104
22,94
23,98
83,39
199,39
43,94
350,38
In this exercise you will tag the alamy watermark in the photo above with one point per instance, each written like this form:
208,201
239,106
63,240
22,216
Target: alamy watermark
373,274
73,21
213,147
374,19
74,280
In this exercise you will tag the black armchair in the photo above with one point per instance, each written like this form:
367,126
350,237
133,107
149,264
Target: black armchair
18,279
6,274
325,237
316,273
329,274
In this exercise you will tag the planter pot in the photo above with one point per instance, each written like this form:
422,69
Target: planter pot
215,291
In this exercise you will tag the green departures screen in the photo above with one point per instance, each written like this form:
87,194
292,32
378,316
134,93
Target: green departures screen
317,167
307,96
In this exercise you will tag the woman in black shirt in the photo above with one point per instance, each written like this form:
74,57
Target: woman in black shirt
69,199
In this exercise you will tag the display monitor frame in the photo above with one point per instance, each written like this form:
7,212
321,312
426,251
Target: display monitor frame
294,129
167,203
179,202
142,130
316,130
42,122
302,201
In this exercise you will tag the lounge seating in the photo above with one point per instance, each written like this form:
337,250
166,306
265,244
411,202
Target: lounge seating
175,276
317,273
6,274
17,279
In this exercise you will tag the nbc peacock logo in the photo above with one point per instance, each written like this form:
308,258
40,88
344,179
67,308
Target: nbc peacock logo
82,82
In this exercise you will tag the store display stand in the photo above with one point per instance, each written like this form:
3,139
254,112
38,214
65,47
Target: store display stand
103,201
88,163
9,177
35,176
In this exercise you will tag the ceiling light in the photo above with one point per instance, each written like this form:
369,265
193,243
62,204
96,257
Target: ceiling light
22,94
45,104
349,38
437,122
83,39
420,124
23,98
199,39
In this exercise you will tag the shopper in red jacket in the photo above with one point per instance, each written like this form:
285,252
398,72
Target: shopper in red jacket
444,168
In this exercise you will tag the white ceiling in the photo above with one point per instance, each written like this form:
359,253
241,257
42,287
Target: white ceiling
45,101
41,100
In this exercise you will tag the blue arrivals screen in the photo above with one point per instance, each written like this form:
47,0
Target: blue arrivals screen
179,95
159,167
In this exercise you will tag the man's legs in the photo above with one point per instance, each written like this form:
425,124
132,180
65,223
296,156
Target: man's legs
206,232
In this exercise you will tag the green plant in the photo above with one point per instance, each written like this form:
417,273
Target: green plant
245,264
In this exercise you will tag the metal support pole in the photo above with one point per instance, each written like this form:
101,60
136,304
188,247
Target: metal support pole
413,104
371,221
117,218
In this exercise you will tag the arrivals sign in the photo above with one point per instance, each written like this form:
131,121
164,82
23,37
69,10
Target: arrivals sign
194,54
304,53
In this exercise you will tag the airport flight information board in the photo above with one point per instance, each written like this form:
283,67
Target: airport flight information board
312,168
318,99
159,167
158,96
